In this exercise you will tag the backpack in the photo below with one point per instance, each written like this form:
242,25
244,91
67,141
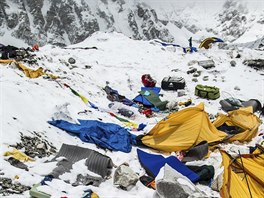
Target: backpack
208,92
148,81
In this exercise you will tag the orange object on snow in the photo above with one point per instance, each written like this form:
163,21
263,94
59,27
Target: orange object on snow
35,47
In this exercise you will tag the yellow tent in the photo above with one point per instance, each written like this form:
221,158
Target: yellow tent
183,130
206,43
235,183
243,119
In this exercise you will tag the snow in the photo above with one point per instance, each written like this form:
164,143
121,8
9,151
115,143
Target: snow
33,102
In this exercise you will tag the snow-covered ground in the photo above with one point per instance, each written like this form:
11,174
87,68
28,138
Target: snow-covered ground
27,104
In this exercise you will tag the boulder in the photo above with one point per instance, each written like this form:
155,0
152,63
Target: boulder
207,64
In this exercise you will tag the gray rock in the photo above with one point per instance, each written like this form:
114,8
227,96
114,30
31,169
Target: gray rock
237,88
255,63
191,70
207,64
195,80
196,74
233,63
205,78
71,60
181,93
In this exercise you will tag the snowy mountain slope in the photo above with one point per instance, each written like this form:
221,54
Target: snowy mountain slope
71,21
27,104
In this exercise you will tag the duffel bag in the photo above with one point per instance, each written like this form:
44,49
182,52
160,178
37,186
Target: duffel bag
173,83
208,92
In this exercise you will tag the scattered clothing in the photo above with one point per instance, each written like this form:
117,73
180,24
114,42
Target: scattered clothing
16,154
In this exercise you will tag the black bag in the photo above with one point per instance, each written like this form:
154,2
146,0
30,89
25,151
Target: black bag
173,83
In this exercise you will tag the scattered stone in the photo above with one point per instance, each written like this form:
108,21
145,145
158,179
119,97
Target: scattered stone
41,146
237,88
255,63
71,60
192,62
87,66
175,70
196,74
191,70
205,78
207,64
195,80
181,93
9,188
238,56
233,63
35,146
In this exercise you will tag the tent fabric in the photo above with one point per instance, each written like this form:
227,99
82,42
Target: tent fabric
206,42
153,163
27,71
196,153
105,135
140,98
150,97
183,130
242,118
234,184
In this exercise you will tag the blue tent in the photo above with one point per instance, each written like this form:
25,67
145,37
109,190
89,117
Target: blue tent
153,163
105,135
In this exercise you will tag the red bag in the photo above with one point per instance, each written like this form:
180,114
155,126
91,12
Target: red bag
148,81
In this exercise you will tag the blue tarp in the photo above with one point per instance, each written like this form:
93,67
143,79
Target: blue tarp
153,163
105,135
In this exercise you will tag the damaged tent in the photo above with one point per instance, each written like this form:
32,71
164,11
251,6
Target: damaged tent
241,124
242,176
182,130
206,43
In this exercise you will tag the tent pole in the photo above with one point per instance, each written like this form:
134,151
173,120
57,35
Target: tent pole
244,173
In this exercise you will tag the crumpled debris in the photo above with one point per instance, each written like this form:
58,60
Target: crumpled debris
35,146
87,180
17,163
9,188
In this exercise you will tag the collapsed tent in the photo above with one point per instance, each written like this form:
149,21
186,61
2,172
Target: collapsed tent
236,183
182,130
241,124
105,135
149,97
208,41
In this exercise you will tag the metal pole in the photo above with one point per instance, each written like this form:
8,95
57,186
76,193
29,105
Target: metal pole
245,174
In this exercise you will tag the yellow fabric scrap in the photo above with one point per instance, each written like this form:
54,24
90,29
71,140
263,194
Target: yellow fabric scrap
18,155
27,71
